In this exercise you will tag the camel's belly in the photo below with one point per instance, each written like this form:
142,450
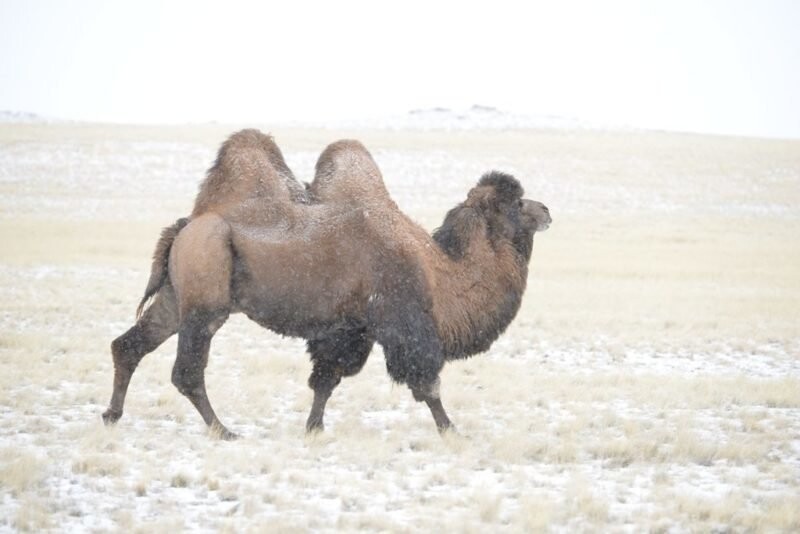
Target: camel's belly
300,287
294,308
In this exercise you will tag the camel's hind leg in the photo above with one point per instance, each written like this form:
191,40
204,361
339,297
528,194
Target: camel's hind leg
336,356
188,373
201,267
157,324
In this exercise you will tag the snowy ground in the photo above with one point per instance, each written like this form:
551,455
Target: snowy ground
650,382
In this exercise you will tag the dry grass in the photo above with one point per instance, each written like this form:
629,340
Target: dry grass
650,382
20,470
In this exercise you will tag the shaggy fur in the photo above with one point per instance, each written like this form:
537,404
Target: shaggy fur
158,271
338,265
249,165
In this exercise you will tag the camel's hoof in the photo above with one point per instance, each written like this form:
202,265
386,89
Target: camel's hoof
229,436
315,431
314,427
448,430
220,432
111,416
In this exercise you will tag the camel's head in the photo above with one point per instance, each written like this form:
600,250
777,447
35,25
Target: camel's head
496,203
535,215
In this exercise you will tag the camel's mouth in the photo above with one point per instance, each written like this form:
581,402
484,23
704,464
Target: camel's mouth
539,213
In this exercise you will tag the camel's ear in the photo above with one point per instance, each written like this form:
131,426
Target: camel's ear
506,188
481,197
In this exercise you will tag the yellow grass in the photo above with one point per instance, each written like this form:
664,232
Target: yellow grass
651,380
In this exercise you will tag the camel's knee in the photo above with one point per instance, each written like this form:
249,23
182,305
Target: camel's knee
426,392
194,339
128,349
187,378
156,325
416,369
189,369
324,377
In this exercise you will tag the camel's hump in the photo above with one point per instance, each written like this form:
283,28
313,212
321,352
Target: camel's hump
345,171
249,164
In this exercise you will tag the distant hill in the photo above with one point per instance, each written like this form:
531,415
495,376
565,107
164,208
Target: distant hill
475,117
20,116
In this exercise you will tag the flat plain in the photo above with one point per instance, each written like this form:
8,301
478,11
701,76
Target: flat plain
651,381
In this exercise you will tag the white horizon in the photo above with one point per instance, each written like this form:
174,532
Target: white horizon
716,67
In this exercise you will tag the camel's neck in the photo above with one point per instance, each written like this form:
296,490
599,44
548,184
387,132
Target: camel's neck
477,295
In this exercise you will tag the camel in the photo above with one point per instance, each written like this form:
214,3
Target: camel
336,263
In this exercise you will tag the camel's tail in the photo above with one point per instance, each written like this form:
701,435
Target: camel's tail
158,272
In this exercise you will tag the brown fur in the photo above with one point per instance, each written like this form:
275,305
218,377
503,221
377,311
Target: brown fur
345,173
249,165
158,271
341,267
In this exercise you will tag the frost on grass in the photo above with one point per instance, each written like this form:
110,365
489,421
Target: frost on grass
650,382
20,470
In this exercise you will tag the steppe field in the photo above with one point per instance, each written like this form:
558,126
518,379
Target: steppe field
650,382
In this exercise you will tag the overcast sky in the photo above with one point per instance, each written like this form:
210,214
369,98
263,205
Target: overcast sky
708,66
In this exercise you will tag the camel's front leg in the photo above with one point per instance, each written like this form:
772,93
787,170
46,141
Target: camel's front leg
413,349
315,417
430,394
